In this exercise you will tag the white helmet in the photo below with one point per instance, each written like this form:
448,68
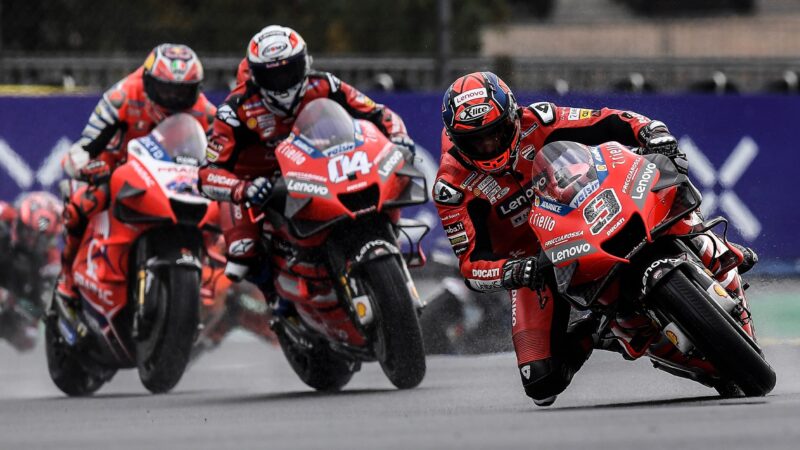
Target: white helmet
279,63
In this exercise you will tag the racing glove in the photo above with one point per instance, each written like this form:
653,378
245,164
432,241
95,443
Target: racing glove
75,160
657,139
521,272
95,172
404,141
253,193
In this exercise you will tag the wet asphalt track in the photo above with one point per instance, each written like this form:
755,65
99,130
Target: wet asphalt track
244,396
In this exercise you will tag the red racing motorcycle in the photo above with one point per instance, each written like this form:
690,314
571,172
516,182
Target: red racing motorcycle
138,270
624,238
334,235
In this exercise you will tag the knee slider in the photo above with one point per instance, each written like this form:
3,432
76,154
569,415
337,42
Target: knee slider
545,378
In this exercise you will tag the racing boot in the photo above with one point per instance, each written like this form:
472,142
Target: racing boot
750,258
66,307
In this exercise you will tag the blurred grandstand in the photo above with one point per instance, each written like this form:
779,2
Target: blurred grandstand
720,46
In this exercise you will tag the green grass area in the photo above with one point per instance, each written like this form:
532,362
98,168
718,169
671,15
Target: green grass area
776,314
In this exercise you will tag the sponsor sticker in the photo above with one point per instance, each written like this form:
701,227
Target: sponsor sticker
486,273
454,228
574,114
584,193
460,238
545,112
641,186
474,112
542,221
464,97
446,194
307,187
570,251
563,238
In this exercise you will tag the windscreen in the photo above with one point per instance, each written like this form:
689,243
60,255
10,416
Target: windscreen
182,138
325,125
564,172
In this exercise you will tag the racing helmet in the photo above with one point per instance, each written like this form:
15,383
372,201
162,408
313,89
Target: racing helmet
172,77
279,62
480,117
39,221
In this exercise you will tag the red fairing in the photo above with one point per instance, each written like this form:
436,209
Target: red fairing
322,180
101,266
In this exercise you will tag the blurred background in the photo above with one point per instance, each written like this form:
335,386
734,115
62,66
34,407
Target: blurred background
723,74
719,46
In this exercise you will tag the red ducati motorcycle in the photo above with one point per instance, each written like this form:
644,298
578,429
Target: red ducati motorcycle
331,230
138,270
624,238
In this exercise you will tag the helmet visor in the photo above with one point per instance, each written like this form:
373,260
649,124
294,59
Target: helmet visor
172,95
489,142
280,75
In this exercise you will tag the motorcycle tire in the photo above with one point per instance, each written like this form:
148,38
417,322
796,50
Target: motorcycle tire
162,355
319,368
715,334
65,370
398,338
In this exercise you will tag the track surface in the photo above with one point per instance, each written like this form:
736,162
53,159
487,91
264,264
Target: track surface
245,396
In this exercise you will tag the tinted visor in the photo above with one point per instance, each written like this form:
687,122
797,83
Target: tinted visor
489,142
280,75
171,95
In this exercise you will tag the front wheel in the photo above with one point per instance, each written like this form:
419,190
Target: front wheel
163,353
65,370
398,338
716,336
318,367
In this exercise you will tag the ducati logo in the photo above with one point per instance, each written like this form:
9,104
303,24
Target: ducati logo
526,371
724,180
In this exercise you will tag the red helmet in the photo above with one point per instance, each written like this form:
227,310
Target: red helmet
38,221
172,77
480,116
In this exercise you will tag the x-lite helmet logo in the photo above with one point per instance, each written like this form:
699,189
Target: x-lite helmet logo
726,177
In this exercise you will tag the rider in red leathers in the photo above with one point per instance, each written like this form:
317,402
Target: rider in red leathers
29,263
275,82
484,190
168,82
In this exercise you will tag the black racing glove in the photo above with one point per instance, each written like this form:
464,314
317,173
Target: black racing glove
521,272
657,139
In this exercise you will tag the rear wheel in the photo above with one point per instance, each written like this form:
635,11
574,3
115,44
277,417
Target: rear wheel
163,352
318,367
716,335
398,338
65,370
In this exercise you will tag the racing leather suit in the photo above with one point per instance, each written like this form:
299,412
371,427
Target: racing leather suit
122,114
485,217
242,146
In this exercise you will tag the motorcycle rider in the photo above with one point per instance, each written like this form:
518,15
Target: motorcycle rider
29,260
483,191
168,82
275,83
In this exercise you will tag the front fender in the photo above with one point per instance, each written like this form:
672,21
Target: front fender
372,250
658,270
